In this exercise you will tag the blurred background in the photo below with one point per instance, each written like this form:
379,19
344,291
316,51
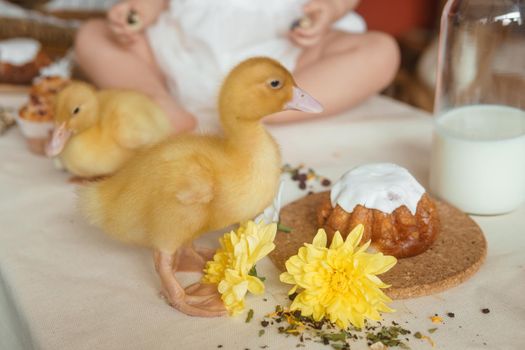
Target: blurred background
414,23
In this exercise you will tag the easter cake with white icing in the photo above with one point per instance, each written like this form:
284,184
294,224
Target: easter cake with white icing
398,215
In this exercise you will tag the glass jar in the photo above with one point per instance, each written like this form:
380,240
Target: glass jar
478,151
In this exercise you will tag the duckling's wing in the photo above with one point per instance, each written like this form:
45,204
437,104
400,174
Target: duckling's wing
136,130
192,183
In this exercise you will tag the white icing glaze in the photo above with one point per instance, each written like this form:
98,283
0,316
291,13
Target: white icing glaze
60,68
18,51
381,186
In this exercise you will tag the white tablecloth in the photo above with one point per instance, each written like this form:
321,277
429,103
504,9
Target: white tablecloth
65,285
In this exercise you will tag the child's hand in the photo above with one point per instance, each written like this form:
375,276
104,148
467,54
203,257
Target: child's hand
129,18
322,14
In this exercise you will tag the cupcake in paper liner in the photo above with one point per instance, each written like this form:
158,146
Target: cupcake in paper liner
35,120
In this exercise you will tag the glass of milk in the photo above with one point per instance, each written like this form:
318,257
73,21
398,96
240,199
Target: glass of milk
478,149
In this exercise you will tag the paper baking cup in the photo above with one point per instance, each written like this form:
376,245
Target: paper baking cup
34,130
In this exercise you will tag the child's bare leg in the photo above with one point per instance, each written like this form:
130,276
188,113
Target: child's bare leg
343,70
110,65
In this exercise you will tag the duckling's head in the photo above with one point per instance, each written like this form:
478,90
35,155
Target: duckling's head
76,109
259,87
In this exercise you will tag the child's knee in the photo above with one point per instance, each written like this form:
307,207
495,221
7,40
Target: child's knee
87,36
386,46
384,51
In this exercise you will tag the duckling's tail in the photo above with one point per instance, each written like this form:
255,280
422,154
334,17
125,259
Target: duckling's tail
90,204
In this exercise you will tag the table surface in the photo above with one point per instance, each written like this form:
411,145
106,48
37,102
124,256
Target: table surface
65,285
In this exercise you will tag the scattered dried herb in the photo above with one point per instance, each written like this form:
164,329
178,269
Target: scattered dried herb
261,332
436,319
432,330
249,316
253,272
389,336
418,335
327,333
485,310
283,228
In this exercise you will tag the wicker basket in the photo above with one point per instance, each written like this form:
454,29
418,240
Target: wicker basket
56,39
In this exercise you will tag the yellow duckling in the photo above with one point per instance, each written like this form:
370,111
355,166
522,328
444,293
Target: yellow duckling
97,131
171,193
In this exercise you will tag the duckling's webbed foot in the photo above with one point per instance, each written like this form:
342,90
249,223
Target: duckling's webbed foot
191,259
197,300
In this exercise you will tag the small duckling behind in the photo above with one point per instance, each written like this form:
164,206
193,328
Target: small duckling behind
97,131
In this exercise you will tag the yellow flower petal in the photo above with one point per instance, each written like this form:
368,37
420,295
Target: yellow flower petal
286,277
378,263
320,239
293,290
355,236
255,285
337,241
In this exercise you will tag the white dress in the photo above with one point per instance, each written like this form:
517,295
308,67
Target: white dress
197,42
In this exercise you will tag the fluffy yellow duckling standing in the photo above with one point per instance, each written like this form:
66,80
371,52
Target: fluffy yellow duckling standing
169,194
97,131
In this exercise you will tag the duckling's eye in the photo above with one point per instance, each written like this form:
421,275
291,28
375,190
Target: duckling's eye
76,110
275,83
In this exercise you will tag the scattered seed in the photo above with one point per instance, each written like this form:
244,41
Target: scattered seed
325,182
451,314
485,310
301,175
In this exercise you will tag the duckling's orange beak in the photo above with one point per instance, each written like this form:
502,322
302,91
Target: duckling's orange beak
58,140
302,101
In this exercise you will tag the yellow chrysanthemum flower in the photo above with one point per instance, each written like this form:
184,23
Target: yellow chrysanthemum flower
339,282
231,264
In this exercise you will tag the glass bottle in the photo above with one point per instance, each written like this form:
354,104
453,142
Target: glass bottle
478,150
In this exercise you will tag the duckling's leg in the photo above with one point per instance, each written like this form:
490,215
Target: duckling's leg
191,259
202,300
